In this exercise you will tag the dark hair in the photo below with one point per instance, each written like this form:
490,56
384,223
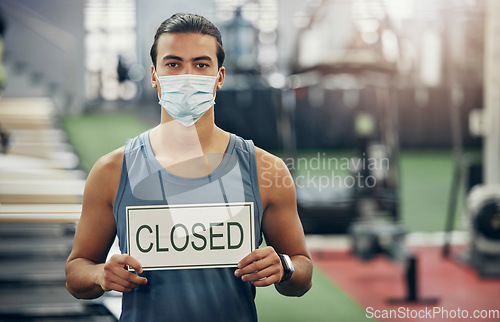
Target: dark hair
185,23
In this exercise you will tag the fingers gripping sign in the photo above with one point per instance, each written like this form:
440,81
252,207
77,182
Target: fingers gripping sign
262,267
115,275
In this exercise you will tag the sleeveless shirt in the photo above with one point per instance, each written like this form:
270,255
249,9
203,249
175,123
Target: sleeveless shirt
208,294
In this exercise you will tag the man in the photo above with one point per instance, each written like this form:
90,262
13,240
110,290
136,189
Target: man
187,159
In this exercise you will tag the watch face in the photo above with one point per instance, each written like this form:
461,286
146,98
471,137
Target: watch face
287,267
287,262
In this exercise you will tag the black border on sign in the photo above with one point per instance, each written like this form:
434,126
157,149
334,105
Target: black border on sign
244,204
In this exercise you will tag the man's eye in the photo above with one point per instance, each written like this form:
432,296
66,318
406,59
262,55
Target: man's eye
202,65
172,65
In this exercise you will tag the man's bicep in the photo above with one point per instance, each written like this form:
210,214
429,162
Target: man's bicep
96,228
281,223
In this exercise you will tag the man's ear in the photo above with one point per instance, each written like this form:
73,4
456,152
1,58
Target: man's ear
222,75
154,81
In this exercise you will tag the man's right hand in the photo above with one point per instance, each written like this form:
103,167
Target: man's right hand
116,277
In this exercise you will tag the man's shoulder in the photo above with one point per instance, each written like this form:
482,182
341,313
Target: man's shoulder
103,180
111,161
275,180
263,154
267,161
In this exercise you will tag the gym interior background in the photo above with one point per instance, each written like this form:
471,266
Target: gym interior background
387,113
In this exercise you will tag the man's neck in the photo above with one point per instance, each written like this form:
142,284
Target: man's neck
174,144
174,136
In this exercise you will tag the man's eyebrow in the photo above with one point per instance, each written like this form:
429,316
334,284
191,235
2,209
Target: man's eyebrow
172,57
202,58
180,59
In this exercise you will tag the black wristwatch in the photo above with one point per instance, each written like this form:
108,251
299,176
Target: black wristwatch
287,267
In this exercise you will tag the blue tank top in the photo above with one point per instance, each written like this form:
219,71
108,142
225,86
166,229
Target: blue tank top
208,294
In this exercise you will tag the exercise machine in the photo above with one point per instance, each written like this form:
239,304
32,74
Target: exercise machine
360,82
483,200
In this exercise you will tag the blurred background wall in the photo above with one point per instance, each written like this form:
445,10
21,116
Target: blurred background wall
44,50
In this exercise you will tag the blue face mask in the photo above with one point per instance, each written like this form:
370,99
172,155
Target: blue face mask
186,97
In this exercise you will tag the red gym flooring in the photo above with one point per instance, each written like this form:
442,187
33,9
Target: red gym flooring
373,283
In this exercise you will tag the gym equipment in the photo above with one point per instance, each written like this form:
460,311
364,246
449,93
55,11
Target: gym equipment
32,285
484,226
368,212
373,171
48,303
36,227
483,200
366,81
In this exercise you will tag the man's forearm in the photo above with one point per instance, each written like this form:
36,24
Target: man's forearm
300,282
81,276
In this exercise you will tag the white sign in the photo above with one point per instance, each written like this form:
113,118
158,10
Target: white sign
190,236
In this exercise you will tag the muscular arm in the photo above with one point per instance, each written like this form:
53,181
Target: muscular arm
282,230
87,274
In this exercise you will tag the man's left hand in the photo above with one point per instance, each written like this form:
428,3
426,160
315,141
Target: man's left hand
262,267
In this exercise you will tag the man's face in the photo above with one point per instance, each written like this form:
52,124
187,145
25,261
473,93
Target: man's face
187,53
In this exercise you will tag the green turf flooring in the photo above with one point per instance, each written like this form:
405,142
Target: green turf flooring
324,302
425,176
426,182
94,135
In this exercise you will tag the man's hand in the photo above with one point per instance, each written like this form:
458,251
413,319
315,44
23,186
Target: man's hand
262,267
116,277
